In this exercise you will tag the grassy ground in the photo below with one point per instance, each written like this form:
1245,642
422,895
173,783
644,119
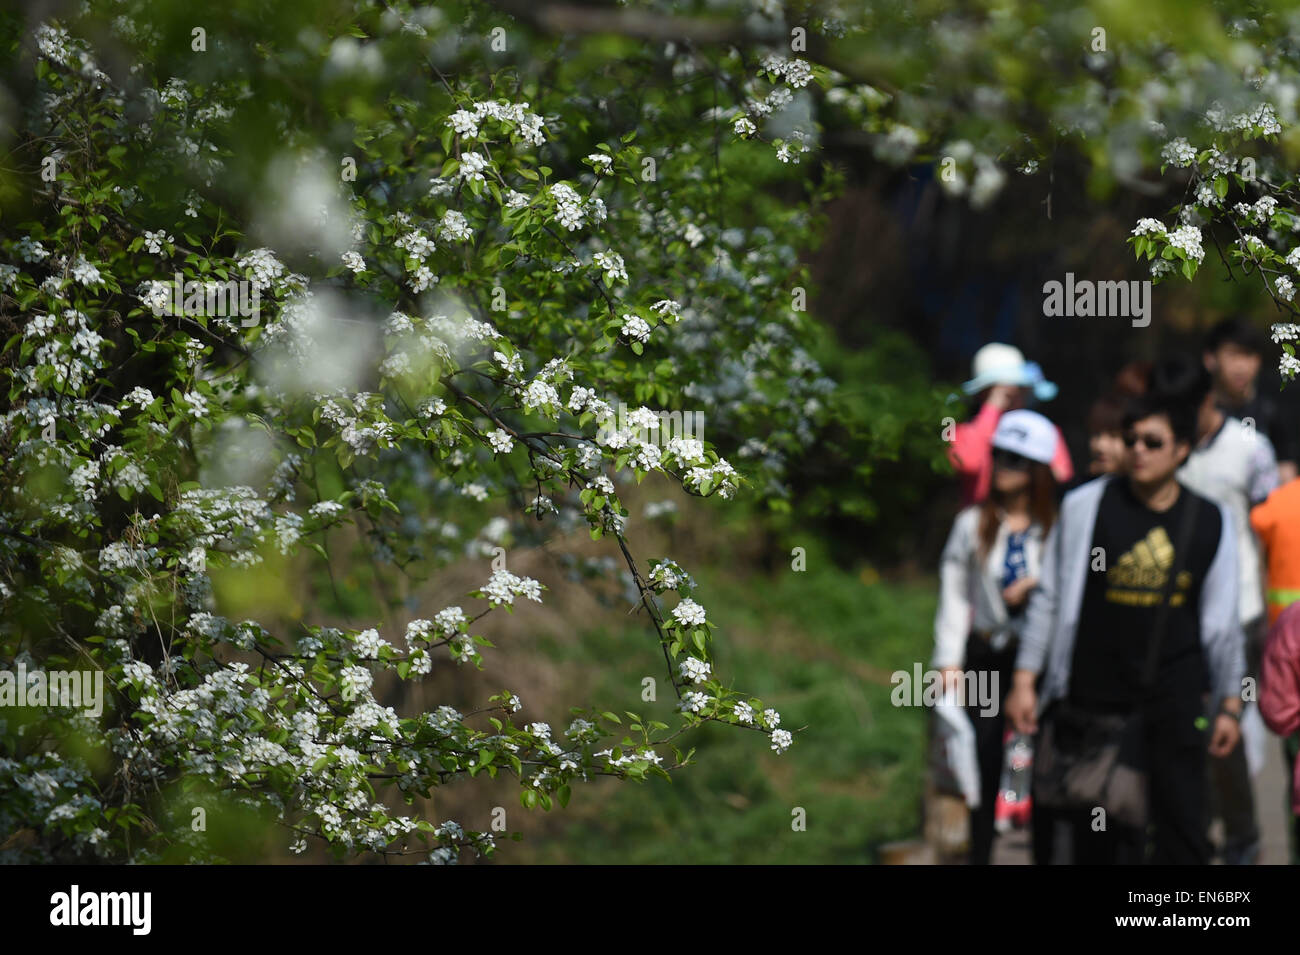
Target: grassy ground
819,645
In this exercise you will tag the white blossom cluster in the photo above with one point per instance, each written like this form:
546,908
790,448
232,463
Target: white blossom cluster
528,127
502,588
668,575
688,613
571,210
694,670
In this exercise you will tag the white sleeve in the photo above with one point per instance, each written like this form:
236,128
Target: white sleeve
953,618
1221,633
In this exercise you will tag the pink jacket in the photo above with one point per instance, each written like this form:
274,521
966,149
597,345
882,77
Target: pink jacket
1279,683
971,453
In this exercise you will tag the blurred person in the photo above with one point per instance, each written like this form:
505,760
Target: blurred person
1106,451
1233,353
1277,523
1132,380
989,566
1107,564
1279,696
1001,381
1234,464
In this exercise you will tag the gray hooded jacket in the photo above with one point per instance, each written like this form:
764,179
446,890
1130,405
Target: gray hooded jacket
1052,617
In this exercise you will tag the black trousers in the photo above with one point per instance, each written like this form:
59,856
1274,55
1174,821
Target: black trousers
1178,812
989,730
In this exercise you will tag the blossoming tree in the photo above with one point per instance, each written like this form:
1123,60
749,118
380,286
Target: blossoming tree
474,270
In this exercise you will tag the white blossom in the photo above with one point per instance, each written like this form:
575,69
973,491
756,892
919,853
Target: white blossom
153,241
693,701
688,613
471,167
694,670
611,263
636,328
454,228
1179,152
1188,239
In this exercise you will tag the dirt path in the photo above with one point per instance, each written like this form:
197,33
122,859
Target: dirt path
1271,805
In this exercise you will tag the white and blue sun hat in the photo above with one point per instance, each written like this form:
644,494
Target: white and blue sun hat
998,364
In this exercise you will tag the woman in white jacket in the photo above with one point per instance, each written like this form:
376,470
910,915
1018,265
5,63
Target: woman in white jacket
989,566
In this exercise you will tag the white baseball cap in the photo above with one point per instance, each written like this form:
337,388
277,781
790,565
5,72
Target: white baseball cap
1028,434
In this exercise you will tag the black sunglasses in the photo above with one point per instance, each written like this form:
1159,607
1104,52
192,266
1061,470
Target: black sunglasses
1149,441
1010,460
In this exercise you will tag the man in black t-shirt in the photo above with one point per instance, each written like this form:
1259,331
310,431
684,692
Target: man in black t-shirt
1121,600
1090,628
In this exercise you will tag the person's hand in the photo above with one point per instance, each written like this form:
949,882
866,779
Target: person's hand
1021,705
1226,733
1018,591
1227,728
1004,397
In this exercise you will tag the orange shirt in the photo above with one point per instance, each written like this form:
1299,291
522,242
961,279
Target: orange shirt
1277,522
